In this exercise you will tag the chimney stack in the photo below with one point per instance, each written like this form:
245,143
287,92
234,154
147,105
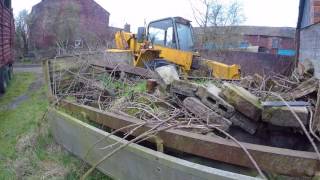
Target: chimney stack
127,27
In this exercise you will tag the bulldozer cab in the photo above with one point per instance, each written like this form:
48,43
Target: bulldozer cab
175,33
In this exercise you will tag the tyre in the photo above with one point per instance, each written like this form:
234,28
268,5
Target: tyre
3,82
6,75
10,72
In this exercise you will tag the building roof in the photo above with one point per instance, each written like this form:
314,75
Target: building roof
287,32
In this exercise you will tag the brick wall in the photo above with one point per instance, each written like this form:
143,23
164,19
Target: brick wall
266,42
315,11
51,18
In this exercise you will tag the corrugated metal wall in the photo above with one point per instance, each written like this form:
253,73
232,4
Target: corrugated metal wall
310,46
251,63
306,17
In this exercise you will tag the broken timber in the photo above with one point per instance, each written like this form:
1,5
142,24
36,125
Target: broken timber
303,89
277,160
316,116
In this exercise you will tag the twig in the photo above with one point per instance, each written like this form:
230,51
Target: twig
125,145
301,124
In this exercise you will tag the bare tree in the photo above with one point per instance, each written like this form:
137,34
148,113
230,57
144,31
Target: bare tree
22,27
66,27
217,21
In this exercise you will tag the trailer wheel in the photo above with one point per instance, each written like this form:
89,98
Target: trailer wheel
3,82
10,72
6,75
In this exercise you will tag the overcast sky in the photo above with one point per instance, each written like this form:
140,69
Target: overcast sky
257,12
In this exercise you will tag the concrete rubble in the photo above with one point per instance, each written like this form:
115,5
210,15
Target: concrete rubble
184,88
233,105
168,74
210,97
242,100
282,116
244,123
196,107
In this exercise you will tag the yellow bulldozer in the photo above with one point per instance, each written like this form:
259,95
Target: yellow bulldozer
170,41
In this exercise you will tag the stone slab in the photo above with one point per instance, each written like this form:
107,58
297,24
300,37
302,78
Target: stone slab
282,116
196,107
244,123
242,100
184,88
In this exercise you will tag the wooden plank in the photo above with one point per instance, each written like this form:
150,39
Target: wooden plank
305,88
276,160
316,116
134,162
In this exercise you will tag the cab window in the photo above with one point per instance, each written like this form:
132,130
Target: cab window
162,33
185,37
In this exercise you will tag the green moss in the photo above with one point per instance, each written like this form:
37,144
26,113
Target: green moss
236,91
123,89
17,87
206,81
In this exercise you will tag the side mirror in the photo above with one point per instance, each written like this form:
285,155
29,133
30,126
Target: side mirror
141,34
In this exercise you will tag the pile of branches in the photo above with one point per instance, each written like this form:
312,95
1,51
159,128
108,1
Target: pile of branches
77,80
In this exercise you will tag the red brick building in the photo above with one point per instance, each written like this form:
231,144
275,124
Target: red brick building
273,40
67,20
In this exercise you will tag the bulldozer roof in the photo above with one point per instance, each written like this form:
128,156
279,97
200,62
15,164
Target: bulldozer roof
175,19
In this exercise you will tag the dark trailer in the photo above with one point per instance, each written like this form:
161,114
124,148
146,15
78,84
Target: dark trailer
6,43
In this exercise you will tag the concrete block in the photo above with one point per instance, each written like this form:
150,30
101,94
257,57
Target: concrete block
242,100
168,74
244,123
210,97
184,88
196,107
282,116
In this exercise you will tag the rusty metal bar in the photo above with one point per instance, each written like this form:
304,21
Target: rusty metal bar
145,73
276,160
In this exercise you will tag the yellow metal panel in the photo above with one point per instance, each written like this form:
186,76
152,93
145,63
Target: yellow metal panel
117,50
182,58
125,40
223,71
146,55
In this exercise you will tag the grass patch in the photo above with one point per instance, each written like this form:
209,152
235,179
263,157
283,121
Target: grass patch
123,89
17,87
38,157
